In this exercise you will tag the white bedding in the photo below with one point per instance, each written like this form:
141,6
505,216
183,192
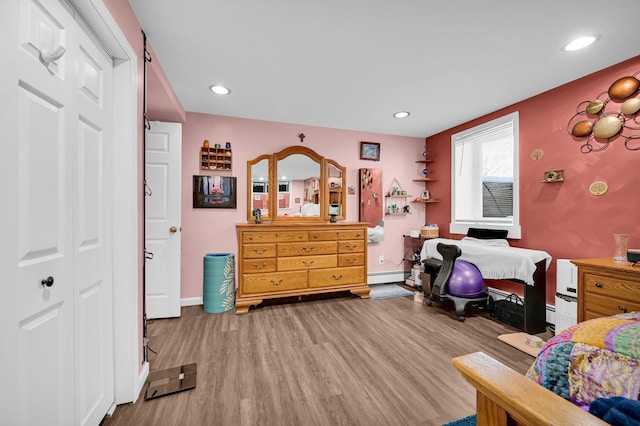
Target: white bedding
375,235
494,260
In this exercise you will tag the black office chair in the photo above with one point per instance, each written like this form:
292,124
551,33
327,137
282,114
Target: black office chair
440,287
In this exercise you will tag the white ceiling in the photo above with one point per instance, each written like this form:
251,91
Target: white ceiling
350,64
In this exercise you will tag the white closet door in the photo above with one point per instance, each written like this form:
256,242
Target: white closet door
55,256
93,285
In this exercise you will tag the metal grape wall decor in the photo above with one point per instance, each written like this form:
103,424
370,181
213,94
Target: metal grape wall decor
613,113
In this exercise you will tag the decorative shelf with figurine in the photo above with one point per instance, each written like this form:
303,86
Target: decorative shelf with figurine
396,191
216,157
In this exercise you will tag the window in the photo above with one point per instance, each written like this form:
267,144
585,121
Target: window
284,196
260,187
283,186
484,181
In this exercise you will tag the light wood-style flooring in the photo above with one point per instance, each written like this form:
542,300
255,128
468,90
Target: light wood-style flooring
331,361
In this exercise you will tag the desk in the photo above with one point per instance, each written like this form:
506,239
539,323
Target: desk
516,264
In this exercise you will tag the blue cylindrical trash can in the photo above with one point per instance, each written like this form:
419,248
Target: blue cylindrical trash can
219,282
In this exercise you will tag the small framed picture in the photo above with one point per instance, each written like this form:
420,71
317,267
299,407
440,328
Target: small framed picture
370,151
425,194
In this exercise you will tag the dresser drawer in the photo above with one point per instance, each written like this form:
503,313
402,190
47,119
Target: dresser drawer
257,251
616,288
356,234
307,262
351,246
307,248
287,236
351,259
257,266
274,282
605,305
336,276
259,237
323,235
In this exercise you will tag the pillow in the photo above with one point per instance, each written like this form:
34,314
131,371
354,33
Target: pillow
616,410
487,234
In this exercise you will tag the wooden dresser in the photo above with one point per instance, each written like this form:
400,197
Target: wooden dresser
606,287
294,259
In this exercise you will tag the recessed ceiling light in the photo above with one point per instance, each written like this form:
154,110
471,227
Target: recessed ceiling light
579,43
402,114
219,90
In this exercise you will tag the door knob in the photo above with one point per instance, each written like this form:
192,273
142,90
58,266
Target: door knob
47,281
173,229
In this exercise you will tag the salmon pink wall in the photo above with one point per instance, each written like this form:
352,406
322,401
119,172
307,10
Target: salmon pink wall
563,219
213,230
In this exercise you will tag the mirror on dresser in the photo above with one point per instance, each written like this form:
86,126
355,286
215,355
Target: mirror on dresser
298,178
258,172
296,184
337,196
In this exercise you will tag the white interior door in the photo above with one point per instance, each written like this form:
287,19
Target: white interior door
163,158
57,318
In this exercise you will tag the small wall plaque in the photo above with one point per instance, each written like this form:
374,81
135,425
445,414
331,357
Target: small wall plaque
554,176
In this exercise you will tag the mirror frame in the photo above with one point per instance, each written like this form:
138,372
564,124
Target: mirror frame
324,164
269,158
343,189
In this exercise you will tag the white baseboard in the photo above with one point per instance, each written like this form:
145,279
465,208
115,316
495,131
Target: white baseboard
142,378
191,301
550,316
385,277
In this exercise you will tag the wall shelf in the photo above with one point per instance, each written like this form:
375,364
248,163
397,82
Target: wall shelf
215,159
426,201
396,192
424,180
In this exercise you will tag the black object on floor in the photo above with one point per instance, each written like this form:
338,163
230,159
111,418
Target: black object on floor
170,381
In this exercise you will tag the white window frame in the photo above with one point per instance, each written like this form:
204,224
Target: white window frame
461,226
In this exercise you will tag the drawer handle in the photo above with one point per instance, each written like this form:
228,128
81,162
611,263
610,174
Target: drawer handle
308,249
350,259
276,283
308,263
599,285
255,265
259,251
339,277
250,237
350,247
622,308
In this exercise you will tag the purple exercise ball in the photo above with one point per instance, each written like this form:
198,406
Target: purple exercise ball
466,281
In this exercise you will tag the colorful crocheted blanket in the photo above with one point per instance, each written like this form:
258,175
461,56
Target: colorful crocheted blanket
592,359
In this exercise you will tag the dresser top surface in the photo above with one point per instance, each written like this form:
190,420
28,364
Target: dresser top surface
608,263
300,225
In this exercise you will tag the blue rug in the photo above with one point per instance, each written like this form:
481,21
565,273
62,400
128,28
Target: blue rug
467,421
385,291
